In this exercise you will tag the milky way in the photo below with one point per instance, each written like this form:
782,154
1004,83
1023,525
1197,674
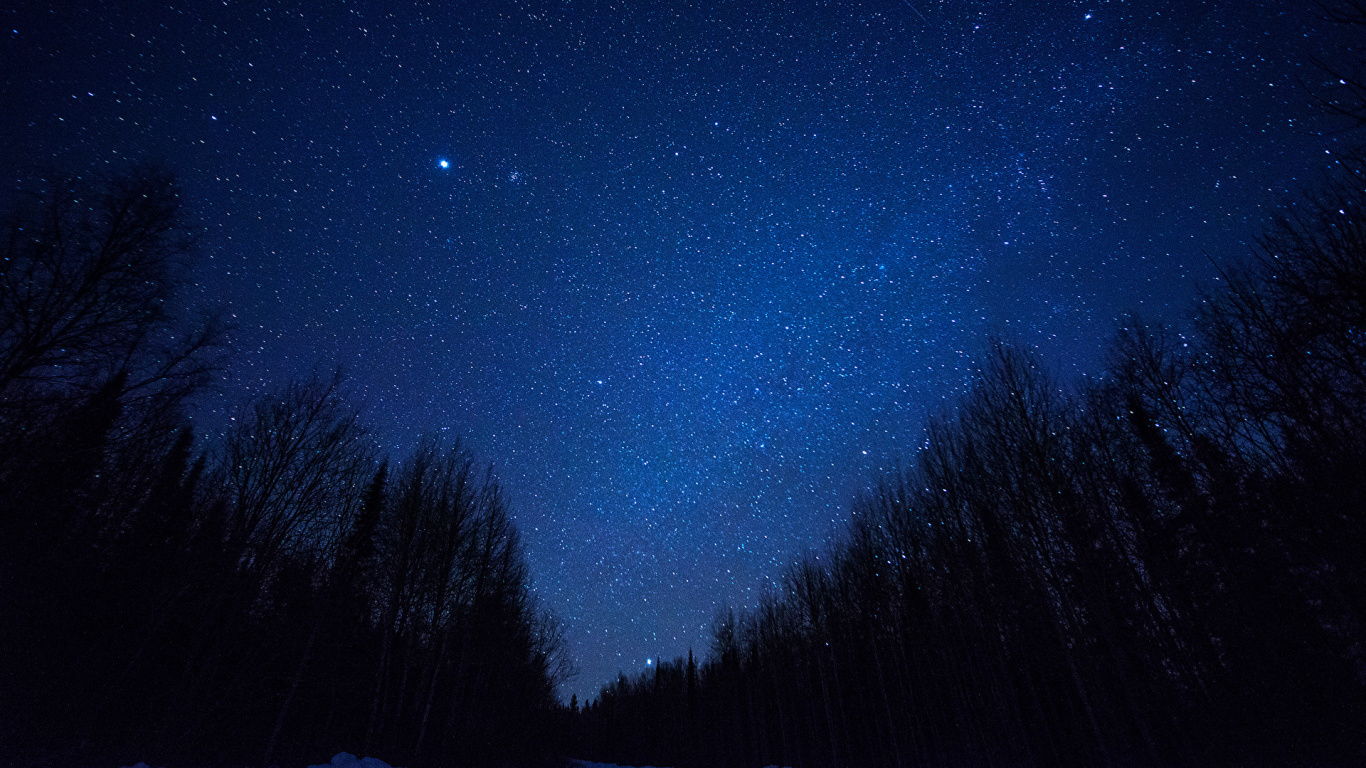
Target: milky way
688,275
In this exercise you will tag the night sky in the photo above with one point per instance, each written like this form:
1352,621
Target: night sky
689,275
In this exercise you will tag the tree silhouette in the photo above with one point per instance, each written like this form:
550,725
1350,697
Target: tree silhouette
1156,566
243,599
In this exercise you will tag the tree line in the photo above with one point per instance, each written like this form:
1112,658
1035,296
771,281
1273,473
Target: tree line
271,595
1159,564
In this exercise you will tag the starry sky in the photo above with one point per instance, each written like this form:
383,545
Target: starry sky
689,274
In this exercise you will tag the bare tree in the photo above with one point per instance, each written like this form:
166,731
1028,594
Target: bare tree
86,291
293,463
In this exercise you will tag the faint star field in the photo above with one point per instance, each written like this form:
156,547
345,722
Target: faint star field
688,277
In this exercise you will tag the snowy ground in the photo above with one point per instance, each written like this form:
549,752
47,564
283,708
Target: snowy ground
348,760
340,760
586,764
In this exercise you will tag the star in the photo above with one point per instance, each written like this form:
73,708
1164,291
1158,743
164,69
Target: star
842,247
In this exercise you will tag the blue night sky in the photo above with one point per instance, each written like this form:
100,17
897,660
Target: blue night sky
689,275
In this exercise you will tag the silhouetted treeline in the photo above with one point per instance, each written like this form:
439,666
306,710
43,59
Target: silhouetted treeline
274,596
1160,565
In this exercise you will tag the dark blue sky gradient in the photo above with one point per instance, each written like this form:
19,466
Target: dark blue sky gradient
695,272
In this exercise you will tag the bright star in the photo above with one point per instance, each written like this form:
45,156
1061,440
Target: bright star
444,163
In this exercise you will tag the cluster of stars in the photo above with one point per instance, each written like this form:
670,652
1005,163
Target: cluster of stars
690,278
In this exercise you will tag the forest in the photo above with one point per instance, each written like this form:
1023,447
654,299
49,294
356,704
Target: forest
1158,564
1155,565
257,598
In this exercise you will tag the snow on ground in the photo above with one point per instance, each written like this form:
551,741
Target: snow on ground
348,760
339,760
586,764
